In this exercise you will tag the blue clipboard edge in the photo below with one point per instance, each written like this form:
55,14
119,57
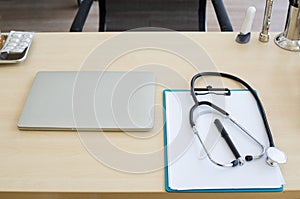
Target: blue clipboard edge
169,189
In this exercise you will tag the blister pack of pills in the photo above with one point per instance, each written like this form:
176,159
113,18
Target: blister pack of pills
16,46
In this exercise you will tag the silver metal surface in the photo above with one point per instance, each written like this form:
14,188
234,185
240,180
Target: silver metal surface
290,38
241,161
287,44
275,156
90,101
195,131
264,34
263,148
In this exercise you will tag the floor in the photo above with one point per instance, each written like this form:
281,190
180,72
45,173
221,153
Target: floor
54,16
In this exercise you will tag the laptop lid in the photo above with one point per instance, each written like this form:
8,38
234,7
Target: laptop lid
90,101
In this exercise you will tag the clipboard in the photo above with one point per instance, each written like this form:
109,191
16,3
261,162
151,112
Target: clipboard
187,169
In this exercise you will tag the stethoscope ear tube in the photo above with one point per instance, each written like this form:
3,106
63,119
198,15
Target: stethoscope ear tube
245,84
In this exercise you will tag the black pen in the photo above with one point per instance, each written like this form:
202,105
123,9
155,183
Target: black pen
229,142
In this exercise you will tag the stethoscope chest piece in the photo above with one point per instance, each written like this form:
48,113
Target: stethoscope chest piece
275,156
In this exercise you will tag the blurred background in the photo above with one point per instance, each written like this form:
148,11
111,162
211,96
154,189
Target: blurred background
57,15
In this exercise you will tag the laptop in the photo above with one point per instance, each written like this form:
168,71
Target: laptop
90,101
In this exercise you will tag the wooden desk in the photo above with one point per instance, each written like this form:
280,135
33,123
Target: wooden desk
57,165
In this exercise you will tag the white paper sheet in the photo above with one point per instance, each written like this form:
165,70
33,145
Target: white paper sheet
188,166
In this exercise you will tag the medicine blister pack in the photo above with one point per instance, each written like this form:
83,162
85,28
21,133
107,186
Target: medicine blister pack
16,45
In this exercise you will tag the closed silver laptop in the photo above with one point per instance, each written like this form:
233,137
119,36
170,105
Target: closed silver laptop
90,101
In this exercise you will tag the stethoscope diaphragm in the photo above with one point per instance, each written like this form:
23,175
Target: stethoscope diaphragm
275,156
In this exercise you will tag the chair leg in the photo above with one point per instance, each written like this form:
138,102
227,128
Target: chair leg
222,16
102,15
79,2
81,16
202,15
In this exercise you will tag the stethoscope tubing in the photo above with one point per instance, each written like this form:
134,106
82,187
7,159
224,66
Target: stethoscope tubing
246,85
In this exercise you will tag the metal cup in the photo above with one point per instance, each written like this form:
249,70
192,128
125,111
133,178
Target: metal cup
290,38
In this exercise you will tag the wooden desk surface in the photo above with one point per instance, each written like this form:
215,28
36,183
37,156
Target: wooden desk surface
42,164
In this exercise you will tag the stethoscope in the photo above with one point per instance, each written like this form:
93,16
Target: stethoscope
274,155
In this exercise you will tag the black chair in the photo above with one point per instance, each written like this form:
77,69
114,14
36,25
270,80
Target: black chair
83,11
79,2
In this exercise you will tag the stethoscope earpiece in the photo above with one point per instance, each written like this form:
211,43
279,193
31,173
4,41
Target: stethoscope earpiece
275,156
